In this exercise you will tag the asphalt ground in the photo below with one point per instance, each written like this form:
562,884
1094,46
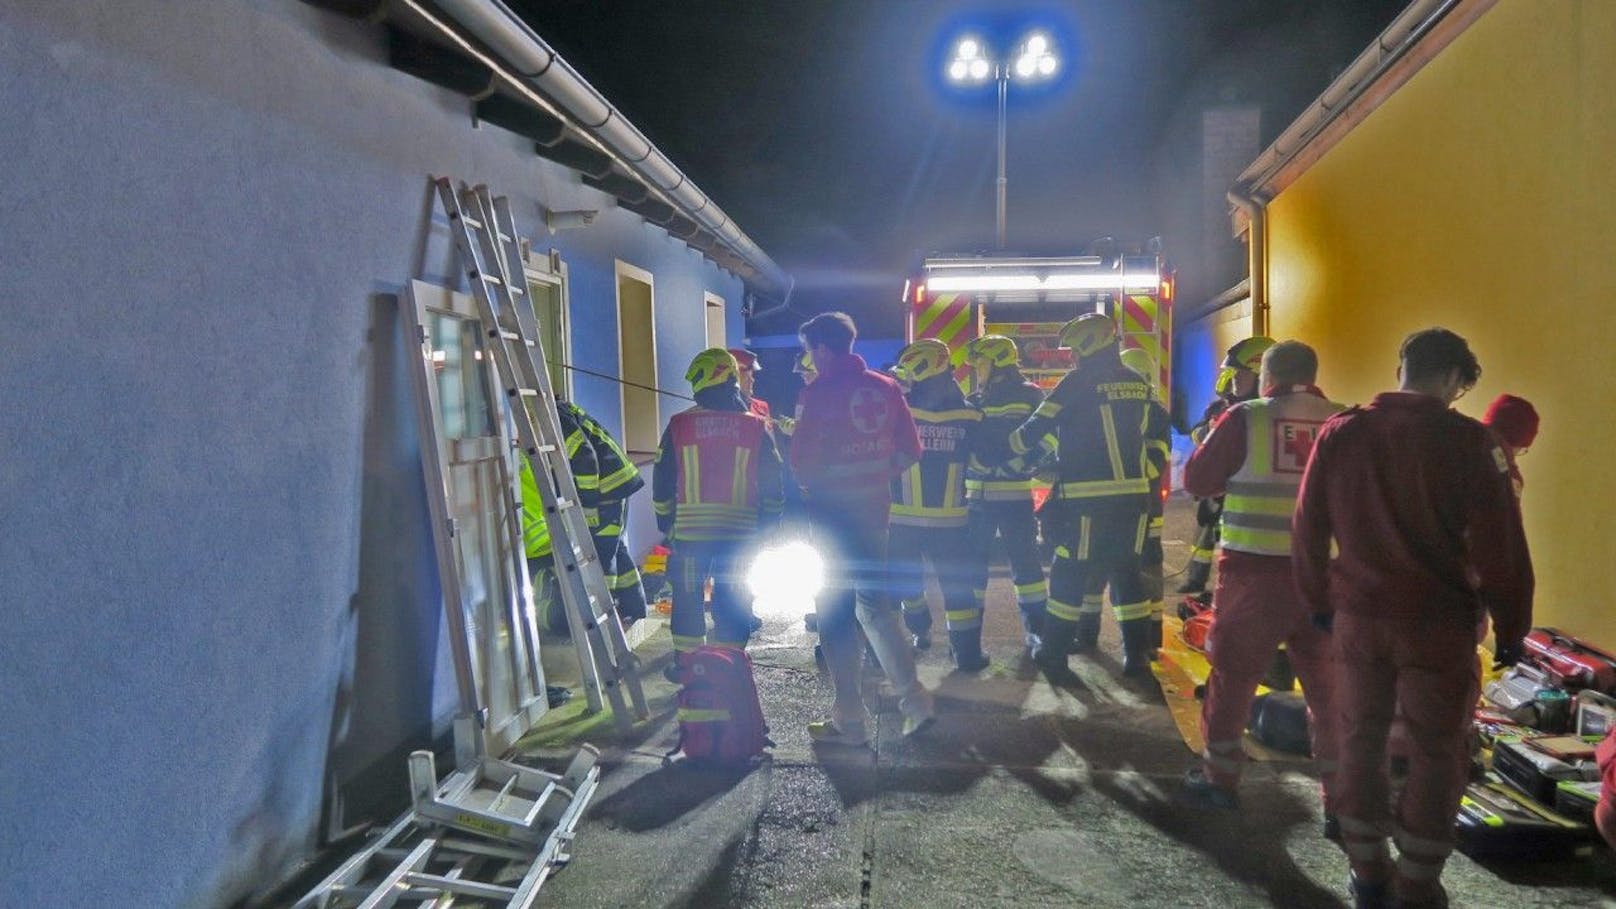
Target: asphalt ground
1020,795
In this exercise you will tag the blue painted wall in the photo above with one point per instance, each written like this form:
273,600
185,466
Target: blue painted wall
218,577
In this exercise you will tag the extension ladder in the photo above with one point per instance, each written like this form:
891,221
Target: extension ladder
485,235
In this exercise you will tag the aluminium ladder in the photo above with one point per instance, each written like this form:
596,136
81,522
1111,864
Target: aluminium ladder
486,238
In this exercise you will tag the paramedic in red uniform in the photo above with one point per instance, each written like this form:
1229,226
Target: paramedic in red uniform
854,435
1416,499
1254,458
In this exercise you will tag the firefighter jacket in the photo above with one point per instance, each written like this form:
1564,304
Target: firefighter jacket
1255,457
1159,456
585,475
1104,426
931,493
1406,512
619,478
1006,401
717,473
854,434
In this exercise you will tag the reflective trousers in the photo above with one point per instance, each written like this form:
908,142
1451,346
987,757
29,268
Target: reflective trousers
1428,666
947,550
1257,610
689,568
1099,545
854,547
1013,521
622,575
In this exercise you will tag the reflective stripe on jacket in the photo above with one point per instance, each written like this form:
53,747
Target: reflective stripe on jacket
717,472
1103,425
1261,495
1006,401
931,493
585,475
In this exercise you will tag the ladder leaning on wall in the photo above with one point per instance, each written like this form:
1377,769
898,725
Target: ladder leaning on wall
493,830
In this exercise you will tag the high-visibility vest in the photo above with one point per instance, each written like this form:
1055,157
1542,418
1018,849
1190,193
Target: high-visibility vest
931,493
716,495
1262,493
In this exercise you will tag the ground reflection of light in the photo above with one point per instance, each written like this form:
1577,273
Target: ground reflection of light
785,579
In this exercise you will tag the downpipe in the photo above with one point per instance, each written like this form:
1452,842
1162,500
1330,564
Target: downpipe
1255,207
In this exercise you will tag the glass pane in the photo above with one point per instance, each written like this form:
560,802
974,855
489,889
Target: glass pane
457,363
547,310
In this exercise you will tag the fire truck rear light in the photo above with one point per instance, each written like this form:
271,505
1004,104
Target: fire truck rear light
920,293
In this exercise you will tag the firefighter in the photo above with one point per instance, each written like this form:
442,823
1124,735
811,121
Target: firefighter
747,362
1096,423
928,507
715,485
619,479
1405,529
1000,497
1237,381
536,530
1150,558
1254,457
854,435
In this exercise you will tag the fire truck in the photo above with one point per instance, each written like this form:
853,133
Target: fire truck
957,298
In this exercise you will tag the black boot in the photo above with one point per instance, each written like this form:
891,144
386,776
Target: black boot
1050,655
1137,648
1280,676
918,621
1085,633
1156,637
1195,577
967,647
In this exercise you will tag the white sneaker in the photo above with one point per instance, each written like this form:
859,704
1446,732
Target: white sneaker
827,732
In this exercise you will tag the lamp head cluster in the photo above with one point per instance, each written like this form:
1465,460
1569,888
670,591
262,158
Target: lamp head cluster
1033,61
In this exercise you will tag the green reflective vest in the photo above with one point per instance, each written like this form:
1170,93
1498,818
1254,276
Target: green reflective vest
1262,494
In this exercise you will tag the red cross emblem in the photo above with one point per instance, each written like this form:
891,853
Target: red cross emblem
1293,443
869,410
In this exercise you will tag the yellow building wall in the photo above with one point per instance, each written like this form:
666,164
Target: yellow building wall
1482,197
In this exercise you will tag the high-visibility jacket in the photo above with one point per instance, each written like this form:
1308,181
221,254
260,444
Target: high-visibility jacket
717,474
619,478
1006,401
931,493
1260,496
1097,422
585,474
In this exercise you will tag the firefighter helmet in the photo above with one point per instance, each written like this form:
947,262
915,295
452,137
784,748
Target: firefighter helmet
1247,354
1140,361
922,360
712,367
1088,334
996,350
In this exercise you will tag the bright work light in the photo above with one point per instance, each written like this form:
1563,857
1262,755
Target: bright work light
979,68
786,578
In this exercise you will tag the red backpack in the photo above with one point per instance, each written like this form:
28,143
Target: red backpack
720,718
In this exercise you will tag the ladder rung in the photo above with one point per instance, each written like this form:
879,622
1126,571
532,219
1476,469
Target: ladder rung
488,278
510,336
542,449
523,392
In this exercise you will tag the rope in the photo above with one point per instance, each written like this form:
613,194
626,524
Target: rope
622,381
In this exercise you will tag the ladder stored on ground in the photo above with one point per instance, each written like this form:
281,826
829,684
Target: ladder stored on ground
491,834
486,237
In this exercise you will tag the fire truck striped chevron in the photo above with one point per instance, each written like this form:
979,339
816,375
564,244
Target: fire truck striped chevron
1141,328
946,318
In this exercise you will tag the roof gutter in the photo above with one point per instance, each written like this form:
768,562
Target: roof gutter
533,70
1413,39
